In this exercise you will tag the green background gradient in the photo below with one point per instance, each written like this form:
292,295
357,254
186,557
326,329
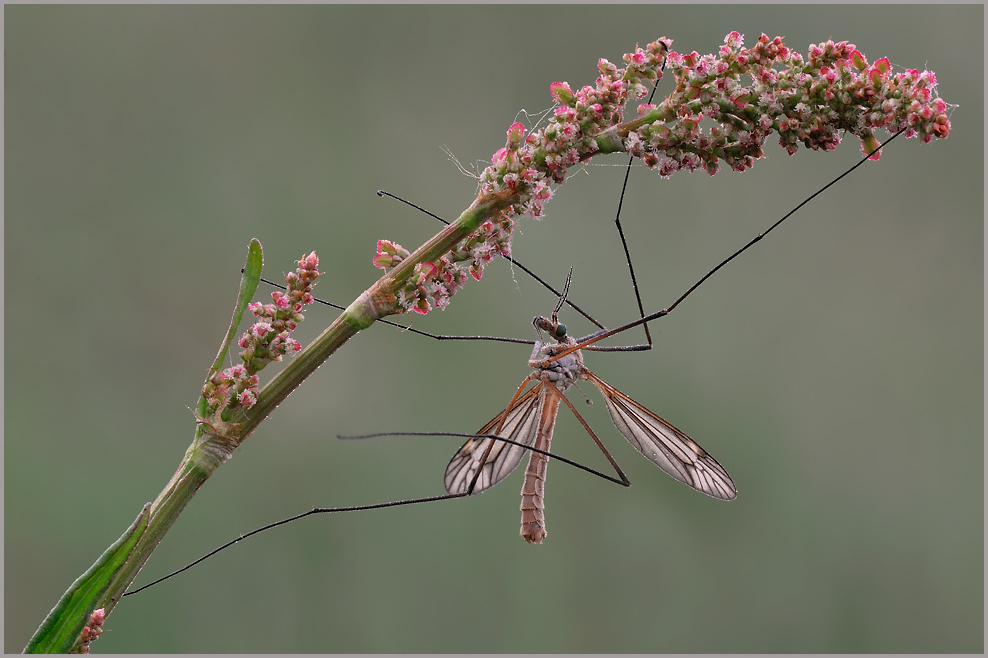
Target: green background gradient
835,369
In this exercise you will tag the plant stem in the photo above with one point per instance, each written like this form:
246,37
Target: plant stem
375,302
163,513
209,450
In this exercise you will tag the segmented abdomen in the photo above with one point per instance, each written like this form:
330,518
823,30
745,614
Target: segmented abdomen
533,488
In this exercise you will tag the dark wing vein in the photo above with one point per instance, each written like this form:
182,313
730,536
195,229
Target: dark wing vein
521,425
664,445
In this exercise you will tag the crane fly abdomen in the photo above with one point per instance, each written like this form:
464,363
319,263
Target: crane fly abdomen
533,487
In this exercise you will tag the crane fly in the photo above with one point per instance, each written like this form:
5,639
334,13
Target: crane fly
530,418
527,423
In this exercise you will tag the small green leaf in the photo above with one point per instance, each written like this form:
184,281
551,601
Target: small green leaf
60,629
248,286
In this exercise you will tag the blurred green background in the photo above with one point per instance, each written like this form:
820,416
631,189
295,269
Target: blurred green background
835,369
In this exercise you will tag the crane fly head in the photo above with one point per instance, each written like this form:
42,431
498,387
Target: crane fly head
553,327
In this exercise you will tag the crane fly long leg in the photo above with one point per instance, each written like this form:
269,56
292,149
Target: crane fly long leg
510,258
586,341
664,445
358,508
409,328
617,469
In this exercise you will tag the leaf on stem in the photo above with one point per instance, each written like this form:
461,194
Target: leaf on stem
61,628
248,286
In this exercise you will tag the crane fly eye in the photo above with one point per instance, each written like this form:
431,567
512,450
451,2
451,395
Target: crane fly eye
559,331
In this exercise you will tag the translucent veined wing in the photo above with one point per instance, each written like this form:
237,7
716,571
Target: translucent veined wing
521,425
664,445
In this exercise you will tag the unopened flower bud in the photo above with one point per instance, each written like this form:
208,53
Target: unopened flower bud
562,93
859,61
516,134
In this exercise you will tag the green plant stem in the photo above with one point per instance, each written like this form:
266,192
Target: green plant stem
164,511
211,449
375,302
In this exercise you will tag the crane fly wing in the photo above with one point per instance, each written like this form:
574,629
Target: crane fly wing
520,424
664,445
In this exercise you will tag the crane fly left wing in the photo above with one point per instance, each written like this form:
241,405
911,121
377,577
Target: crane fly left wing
664,445
520,424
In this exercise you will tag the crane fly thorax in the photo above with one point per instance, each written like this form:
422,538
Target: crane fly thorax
563,372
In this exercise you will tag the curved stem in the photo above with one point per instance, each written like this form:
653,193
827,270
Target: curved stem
374,303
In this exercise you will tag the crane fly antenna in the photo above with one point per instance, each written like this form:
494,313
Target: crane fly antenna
562,297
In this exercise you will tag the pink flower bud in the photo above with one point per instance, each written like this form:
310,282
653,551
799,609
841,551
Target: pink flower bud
868,144
859,61
423,272
566,113
562,93
516,133
422,306
389,254
91,631
606,68
636,58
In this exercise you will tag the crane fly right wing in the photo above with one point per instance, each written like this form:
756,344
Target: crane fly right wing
520,424
664,445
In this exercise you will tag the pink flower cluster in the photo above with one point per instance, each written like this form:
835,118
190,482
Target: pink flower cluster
434,283
90,632
529,164
267,340
525,169
809,102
